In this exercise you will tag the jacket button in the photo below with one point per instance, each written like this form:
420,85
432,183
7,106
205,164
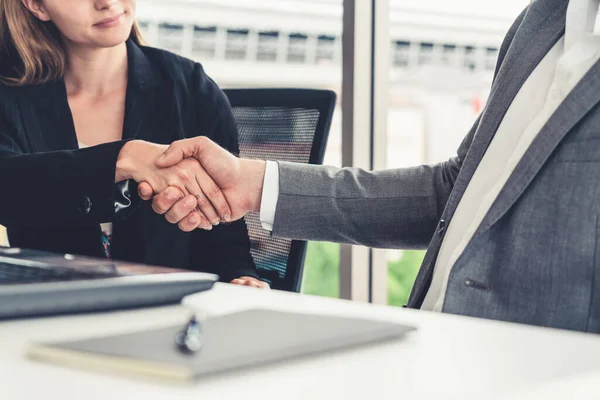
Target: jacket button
442,228
85,205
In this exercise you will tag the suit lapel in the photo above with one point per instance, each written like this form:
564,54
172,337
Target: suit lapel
578,103
543,27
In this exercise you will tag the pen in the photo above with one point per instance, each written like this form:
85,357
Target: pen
190,339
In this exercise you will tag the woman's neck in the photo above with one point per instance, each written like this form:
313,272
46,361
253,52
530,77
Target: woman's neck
96,72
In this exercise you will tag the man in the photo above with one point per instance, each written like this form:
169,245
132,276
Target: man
511,222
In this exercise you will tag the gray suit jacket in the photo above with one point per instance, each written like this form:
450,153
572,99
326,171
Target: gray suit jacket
535,258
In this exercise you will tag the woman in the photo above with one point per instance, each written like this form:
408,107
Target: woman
81,100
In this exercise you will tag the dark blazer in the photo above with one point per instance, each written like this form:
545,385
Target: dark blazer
54,196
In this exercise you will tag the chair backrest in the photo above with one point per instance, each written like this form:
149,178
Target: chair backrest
281,125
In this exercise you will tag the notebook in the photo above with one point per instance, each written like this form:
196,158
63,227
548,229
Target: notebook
233,341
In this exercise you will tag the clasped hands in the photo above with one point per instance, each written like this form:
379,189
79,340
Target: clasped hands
194,183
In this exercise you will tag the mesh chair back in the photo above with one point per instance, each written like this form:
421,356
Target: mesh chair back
281,125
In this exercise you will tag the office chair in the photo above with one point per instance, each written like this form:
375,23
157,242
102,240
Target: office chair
281,125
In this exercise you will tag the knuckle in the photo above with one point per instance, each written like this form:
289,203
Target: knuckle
203,201
185,178
194,166
157,206
190,164
181,174
214,191
202,221
186,226
166,202
189,204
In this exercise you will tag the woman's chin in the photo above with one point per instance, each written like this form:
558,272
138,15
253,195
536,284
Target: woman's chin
107,42
111,37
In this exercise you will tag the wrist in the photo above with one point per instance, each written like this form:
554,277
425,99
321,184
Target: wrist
255,177
125,162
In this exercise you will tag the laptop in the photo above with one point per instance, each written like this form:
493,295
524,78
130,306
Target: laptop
36,283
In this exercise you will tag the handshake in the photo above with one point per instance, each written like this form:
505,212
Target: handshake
193,182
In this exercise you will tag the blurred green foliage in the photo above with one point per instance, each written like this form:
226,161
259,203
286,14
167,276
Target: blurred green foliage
321,272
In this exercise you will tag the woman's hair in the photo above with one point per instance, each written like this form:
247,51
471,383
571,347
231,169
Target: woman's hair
32,51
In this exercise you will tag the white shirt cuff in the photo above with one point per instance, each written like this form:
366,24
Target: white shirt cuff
270,195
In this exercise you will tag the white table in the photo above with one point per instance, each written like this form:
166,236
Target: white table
448,357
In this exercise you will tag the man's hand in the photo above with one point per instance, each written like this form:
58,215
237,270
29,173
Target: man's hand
252,282
185,181
240,181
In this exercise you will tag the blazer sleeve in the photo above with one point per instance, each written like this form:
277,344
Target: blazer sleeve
59,188
397,208
225,250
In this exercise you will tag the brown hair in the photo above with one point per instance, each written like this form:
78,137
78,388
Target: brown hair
31,51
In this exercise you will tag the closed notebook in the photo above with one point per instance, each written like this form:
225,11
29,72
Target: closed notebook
231,341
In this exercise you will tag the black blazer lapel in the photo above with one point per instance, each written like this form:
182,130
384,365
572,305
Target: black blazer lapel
42,107
151,110
142,82
151,114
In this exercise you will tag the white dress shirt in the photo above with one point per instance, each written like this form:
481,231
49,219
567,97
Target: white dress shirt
270,195
545,89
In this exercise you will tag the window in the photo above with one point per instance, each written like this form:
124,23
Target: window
236,47
470,59
491,54
204,43
401,54
297,48
170,37
327,50
268,46
448,54
426,54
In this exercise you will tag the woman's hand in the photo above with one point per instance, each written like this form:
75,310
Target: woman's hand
252,282
239,180
137,161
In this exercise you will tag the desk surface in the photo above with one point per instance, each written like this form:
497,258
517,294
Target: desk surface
448,357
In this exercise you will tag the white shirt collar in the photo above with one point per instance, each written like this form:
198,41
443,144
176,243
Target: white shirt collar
581,20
